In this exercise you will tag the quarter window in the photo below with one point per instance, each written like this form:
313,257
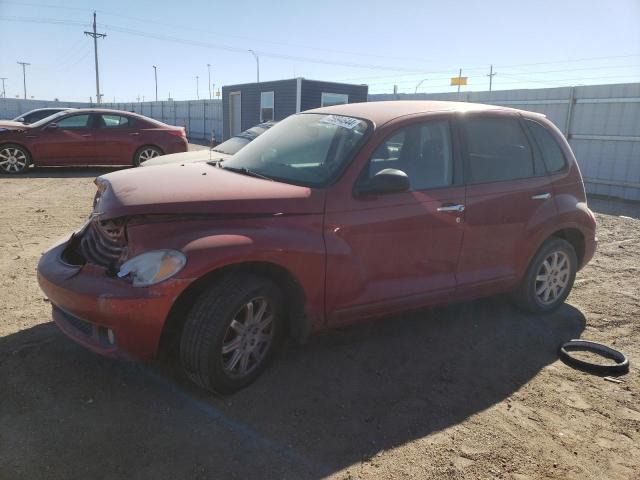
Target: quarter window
329,99
497,149
266,106
114,121
75,121
551,151
422,151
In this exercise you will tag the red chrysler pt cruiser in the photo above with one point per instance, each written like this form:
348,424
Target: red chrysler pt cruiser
332,216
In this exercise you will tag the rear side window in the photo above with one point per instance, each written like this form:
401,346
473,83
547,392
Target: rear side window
551,151
497,149
114,121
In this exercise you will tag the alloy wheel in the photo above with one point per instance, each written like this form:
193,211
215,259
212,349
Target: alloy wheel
13,159
148,153
552,277
248,337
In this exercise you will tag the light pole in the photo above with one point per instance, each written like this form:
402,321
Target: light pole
419,83
24,77
197,88
255,55
155,74
4,94
209,68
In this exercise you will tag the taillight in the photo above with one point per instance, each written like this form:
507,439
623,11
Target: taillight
179,132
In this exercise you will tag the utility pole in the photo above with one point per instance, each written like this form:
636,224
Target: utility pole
24,77
209,68
4,94
459,80
255,55
95,35
197,88
155,74
490,75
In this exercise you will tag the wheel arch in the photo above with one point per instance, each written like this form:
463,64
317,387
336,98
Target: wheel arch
297,325
576,238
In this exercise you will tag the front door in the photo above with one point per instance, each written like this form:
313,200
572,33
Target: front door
67,141
235,113
391,252
508,199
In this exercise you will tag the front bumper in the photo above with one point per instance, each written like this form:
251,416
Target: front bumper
86,302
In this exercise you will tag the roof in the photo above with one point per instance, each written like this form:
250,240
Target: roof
382,112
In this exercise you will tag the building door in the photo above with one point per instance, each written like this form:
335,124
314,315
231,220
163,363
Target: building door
235,113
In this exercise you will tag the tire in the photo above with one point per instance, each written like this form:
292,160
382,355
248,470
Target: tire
214,321
537,295
14,159
621,366
145,153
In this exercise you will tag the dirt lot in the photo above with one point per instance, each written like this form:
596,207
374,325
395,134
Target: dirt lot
468,391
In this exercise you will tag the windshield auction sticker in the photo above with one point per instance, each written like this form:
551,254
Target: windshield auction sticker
344,122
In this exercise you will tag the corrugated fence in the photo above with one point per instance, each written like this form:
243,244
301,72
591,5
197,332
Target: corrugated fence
602,123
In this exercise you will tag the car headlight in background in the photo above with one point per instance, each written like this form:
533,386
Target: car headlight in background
152,267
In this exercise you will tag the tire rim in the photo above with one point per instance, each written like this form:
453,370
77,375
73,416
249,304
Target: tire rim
12,159
553,277
148,153
248,337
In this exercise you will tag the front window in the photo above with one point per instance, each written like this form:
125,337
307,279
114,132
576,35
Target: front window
266,106
305,149
329,99
74,121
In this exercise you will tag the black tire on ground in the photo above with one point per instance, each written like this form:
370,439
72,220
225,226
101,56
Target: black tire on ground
526,297
621,366
208,325
14,159
145,153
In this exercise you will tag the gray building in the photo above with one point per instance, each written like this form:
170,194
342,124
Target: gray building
248,104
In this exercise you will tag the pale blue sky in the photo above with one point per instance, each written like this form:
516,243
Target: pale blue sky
532,44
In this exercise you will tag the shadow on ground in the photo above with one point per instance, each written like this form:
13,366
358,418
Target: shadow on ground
62,172
617,207
347,394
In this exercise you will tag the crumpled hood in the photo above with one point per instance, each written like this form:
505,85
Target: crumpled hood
186,157
199,188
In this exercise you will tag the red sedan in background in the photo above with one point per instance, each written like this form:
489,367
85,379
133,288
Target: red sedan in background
87,137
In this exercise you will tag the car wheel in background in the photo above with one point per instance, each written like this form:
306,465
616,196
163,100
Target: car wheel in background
145,153
549,278
232,332
13,158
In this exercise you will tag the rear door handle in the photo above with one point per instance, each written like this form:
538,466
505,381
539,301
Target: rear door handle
134,133
541,196
86,135
451,208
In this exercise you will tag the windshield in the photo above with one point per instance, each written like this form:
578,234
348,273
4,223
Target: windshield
306,149
46,120
234,144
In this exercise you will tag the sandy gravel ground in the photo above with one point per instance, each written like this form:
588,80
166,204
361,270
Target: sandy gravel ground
468,391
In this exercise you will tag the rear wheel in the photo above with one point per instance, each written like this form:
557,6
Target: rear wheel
13,159
145,153
549,278
232,332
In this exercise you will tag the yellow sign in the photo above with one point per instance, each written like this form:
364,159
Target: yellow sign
218,93
458,80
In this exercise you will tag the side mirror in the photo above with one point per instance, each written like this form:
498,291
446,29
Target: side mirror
21,120
389,180
52,126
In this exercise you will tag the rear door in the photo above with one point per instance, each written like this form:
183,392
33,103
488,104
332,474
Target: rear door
67,141
508,198
391,252
116,139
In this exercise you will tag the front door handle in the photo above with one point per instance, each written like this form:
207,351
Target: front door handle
86,135
541,196
451,208
134,133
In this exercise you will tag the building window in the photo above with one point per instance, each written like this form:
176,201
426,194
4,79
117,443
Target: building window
329,99
266,106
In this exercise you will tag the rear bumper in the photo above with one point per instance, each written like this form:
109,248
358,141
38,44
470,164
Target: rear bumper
86,302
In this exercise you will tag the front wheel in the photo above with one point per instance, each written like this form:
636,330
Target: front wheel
145,153
549,278
13,159
232,332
